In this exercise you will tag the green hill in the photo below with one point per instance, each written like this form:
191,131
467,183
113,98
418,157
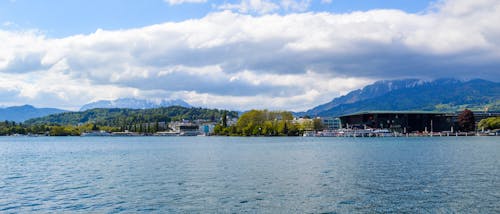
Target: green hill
438,95
124,117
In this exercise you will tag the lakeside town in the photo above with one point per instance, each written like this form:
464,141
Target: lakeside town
388,124
384,108
361,124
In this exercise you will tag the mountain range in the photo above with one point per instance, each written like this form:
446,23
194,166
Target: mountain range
413,94
396,95
25,112
132,103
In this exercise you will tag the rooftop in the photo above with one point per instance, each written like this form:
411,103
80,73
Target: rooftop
396,112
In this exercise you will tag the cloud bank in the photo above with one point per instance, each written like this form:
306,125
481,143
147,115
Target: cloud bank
232,60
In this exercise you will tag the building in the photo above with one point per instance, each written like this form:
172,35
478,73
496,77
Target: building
327,123
188,130
331,123
95,133
207,129
400,121
479,115
185,128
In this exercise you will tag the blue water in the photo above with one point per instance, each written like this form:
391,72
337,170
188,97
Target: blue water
255,175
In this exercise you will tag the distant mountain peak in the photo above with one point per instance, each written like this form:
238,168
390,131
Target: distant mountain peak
376,89
134,103
25,112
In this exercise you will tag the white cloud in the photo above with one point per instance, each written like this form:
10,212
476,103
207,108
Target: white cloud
227,59
292,5
177,2
8,24
317,90
266,6
251,6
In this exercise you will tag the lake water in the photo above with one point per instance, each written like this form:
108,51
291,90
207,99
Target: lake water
254,175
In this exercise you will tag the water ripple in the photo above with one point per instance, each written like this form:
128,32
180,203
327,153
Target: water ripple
250,175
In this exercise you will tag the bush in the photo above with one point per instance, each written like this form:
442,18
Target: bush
490,123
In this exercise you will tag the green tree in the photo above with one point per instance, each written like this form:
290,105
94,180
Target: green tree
218,130
263,122
157,127
489,123
318,124
63,131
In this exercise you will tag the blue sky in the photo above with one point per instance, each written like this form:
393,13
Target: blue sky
59,18
239,54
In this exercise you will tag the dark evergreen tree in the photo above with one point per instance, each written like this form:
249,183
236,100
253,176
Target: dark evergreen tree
285,129
224,119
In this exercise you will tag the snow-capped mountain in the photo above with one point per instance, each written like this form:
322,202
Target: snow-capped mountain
133,103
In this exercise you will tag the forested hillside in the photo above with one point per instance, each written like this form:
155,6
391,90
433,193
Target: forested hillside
126,117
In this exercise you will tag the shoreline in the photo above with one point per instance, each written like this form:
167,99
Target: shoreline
260,136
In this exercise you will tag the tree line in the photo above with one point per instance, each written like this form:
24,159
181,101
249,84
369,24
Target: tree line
11,128
266,123
112,120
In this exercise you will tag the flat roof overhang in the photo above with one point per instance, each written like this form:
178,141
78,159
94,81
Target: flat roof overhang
398,112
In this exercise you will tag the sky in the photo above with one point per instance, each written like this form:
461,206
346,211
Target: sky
239,54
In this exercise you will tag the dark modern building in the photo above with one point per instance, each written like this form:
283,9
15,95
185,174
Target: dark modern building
400,121
188,129
479,115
